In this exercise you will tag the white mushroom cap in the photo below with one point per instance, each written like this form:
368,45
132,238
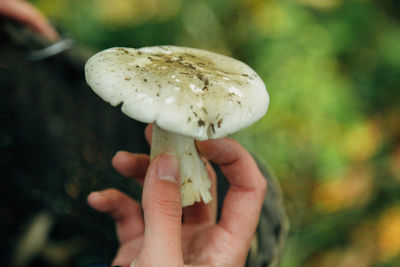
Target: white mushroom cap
187,91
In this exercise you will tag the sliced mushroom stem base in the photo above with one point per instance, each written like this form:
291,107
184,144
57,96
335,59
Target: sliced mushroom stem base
195,183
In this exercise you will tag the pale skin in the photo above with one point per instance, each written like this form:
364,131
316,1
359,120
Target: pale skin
27,14
161,233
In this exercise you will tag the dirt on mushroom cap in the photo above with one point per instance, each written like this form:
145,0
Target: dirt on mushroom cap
189,91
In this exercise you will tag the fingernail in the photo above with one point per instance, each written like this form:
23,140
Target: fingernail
96,194
168,168
122,152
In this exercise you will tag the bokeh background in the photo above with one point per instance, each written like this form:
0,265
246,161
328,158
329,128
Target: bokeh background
332,132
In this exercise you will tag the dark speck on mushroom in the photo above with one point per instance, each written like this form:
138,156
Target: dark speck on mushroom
190,66
145,80
201,123
127,78
212,127
219,123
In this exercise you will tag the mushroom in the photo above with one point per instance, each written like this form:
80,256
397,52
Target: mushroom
187,93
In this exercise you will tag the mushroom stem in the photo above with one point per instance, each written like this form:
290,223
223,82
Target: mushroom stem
195,183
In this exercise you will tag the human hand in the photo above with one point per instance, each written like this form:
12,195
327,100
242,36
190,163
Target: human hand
167,235
26,13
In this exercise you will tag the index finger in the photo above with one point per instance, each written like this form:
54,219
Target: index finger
243,202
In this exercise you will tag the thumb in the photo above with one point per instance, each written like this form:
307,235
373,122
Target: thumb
162,210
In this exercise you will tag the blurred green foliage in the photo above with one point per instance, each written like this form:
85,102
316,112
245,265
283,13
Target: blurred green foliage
331,134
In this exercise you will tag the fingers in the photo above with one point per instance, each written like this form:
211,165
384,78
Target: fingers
243,202
125,211
127,253
162,212
131,165
26,13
